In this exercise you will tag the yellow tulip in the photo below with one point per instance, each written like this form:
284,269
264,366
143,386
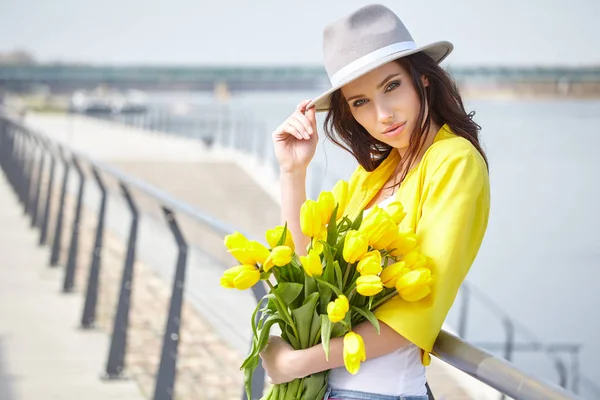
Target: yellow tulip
317,245
369,285
240,277
237,245
235,241
312,264
396,211
273,236
337,309
280,256
326,203
370,264
379,228
388,233
415,285
403,244
310,218
390,274
414,259
252,253
340,193
356,246
354,352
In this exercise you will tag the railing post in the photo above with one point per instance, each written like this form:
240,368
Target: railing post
118,343
24,178
165,381
55,255
508,346
464,311
29,174
47,208
69,280
91,293
40,173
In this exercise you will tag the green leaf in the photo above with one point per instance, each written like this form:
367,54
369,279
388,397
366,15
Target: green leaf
326,327
288,291
291,388
357,221
338,330
263,336
315,386
327,255
291,338
248,372
344,225
332,232
253,320
335,289
315,329
338,274
310,286
325,297
303,317
281,240
369,316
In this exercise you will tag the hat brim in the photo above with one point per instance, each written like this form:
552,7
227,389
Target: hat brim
438,51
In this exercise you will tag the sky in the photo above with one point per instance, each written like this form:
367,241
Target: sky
263,32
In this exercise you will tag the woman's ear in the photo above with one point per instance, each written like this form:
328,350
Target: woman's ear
425,81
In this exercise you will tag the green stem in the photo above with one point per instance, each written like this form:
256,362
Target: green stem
346,273
285,310
384,299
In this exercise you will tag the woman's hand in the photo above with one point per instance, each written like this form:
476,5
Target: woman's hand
295,140
278,360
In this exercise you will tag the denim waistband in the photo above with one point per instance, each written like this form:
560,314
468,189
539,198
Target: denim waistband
334,394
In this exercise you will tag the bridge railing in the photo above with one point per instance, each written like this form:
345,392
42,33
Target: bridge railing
25,157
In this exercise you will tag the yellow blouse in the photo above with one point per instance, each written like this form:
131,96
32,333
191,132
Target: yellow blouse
447,200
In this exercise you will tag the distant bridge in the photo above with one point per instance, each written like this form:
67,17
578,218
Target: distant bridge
66,78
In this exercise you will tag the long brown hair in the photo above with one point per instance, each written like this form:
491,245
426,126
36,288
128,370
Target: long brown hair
445,107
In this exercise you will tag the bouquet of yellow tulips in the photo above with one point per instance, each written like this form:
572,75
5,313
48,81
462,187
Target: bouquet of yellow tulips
351,267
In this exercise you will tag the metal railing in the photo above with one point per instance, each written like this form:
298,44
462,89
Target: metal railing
217,126
24,156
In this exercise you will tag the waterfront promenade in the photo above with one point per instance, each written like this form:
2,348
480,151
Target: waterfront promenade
43,355
213,341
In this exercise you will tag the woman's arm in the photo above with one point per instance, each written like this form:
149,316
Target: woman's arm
293,195
284,364
313,360
295,142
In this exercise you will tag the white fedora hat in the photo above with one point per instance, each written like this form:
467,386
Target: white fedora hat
364,40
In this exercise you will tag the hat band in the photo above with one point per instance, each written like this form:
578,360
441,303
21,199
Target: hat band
339,77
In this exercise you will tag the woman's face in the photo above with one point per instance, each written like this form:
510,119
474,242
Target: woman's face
385,102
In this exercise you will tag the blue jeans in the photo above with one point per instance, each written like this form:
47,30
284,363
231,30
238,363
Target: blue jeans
333,394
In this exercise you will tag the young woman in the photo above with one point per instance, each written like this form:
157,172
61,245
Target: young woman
401,116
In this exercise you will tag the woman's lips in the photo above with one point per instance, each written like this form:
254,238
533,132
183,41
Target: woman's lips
394,130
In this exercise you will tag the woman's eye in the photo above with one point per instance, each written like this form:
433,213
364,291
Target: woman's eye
393,85
358,103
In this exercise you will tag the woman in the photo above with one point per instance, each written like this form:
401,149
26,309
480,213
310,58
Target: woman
400,115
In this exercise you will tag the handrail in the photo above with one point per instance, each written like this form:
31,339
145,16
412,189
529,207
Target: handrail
489,369
495,371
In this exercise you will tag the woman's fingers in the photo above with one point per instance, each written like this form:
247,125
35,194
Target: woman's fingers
301,107
294,122
301,124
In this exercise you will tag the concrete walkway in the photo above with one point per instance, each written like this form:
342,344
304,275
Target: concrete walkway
43,353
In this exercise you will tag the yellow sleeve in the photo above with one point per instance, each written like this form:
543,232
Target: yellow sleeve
454,209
